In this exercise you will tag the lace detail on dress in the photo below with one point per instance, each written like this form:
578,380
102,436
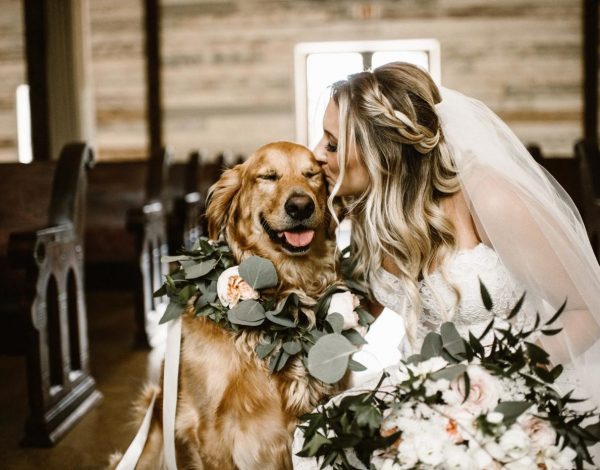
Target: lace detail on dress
463,270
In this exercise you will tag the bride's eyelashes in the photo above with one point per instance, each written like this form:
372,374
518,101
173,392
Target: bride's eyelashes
331,147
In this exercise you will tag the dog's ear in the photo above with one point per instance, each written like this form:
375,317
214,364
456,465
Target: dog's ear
222,200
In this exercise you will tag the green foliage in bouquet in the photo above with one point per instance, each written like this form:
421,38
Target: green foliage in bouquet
346,432
325,347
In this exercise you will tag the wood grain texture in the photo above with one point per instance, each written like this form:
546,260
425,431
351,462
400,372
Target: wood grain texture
228,78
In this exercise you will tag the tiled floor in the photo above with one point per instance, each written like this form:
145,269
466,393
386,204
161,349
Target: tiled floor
119,370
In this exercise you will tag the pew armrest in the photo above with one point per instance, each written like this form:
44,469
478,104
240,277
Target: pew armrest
29,248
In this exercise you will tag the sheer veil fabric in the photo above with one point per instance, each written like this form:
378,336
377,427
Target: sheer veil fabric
533,225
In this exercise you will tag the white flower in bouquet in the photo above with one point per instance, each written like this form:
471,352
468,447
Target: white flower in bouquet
461,426
553,458
524,463
515,443
540,431
407,454
483,391
231,288
480,456
345,303
457,458
434,386
429,366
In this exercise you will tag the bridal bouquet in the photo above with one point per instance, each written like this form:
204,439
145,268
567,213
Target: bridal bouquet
459,405
245,298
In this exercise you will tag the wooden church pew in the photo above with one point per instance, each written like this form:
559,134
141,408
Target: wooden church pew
589,172
42,304
565,170
126,235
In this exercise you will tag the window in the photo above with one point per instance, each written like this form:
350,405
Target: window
319,64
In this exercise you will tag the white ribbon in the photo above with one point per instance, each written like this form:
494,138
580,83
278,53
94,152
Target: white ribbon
131,457
170,383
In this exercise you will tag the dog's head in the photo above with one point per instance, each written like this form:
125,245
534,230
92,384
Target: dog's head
274,205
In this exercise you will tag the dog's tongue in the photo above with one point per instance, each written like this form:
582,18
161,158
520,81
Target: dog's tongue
299,239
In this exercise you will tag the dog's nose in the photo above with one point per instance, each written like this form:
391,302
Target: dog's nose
299,207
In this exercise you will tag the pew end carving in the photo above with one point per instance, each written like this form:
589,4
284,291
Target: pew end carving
45,310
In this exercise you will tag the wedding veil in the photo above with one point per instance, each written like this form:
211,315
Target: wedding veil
533,225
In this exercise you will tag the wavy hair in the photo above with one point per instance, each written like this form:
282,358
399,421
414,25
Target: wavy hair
388,118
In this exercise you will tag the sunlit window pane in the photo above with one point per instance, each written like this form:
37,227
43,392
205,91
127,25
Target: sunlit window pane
23,124
322,70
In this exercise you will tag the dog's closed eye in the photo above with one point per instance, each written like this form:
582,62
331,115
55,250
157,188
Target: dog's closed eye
268,176
312,174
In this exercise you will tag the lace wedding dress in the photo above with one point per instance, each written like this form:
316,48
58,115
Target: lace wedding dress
463,270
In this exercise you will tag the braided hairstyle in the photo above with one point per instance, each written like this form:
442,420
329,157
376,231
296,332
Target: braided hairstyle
388,117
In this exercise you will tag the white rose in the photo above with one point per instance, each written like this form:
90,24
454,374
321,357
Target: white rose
483,393
231,288
344,303
540,431
515,443
481,458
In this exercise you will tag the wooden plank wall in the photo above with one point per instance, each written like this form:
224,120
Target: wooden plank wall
12,74
228,65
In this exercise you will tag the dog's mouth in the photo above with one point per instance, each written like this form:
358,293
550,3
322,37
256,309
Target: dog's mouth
296,240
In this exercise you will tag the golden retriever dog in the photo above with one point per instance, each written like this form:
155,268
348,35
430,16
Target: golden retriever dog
231,412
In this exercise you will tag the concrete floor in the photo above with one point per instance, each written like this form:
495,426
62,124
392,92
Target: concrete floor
119,370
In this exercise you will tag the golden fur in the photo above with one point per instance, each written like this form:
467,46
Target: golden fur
231,413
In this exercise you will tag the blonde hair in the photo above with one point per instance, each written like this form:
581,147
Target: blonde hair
388,118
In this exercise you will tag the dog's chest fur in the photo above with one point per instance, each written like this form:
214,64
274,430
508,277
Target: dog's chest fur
230,406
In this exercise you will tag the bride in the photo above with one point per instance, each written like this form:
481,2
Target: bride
441,195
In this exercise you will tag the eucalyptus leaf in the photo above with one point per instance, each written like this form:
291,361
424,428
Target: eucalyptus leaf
247,312
453,343
356,366
328,358
283,321
259,272
354,337
173,259
415,359
186,293
336,320
364,317
162,290
264,349
205,299
282,360
512,410
311,447
292,347
200,269
432,346
173,311
449,373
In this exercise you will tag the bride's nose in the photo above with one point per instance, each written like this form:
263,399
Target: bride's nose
319,152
